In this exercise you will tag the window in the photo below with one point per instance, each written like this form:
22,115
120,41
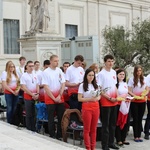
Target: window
11,35
71,30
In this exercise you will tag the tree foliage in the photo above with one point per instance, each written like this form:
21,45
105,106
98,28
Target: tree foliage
129,47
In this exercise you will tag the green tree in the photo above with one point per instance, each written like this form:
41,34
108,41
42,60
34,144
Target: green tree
141,37
129,47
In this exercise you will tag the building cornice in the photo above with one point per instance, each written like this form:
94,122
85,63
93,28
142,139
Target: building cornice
135,3
17,1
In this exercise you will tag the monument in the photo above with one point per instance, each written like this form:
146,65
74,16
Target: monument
38,43
40,18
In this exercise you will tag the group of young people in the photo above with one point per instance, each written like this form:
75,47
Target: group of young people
117,99
97,94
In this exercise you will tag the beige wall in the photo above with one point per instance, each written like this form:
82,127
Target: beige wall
91,16
12,9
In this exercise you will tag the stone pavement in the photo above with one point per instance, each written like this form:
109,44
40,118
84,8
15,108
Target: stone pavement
145,145
12,138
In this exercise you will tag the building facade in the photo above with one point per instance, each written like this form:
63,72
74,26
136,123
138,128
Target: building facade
67,18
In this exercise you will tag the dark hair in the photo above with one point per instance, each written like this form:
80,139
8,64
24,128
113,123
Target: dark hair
108,57
46,62
62,69
116,68
29,62
85,81
79,57
66,63
21,58
53,56
135,80
36,62
117,72
25,68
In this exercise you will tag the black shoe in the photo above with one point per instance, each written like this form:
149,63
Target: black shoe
113,146
105,148
59,139
126,143
146,137
53,137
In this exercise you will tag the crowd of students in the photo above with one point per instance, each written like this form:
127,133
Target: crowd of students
99,94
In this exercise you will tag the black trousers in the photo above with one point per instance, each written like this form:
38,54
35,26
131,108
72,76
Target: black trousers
30,114
109,115
122,133
74,103
59,109
137,112
147,122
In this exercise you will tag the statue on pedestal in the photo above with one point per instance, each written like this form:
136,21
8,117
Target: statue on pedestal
44,15
40,18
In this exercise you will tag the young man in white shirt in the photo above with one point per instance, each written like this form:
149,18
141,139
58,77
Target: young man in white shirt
65,66
107,79
74,76
65,94
20,68
37,67
37,70
54,84
39,74
46,64
30,85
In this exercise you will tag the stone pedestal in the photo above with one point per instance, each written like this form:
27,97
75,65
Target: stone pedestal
40,46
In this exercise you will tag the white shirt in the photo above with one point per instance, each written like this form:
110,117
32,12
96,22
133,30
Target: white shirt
2,75
137,89
122,88
86,94
30,80
65,79
39,74
148,84
74,74
107,79
91,105
148,80
13,81
20,71
53,78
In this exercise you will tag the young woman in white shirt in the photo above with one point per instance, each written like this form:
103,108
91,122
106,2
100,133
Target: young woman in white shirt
90,108
10,83
138,89
121,132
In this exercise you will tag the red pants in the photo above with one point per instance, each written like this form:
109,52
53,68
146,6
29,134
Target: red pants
90,120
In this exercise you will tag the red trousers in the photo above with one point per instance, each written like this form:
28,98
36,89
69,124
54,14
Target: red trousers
90,120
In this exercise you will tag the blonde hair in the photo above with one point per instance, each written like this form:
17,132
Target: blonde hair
83,64
7,65
9,77
94,66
